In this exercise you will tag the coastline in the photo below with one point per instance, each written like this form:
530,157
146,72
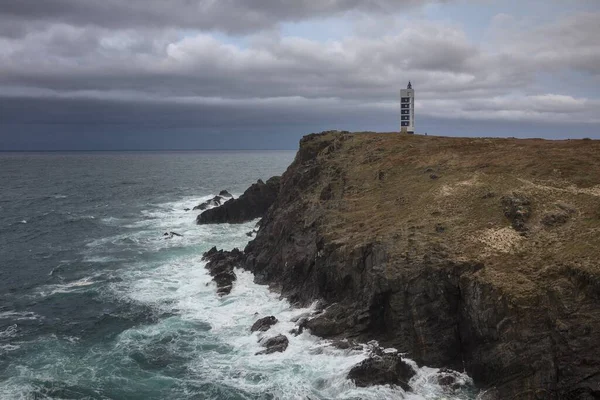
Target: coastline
433,246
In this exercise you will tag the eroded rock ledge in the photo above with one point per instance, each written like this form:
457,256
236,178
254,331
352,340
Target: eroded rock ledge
253,204
463,271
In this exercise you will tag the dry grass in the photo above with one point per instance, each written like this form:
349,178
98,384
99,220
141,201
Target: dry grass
386,193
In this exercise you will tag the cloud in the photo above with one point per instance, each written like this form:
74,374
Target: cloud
570,42
232,16
71,63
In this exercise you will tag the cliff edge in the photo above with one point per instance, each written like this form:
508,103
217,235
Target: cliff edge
476,254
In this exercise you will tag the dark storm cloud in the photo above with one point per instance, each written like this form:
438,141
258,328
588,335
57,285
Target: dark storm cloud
236,16
133,66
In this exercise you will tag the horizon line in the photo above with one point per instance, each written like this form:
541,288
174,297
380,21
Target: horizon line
131,150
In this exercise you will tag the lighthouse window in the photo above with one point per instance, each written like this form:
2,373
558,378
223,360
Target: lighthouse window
405,105
405,99
405,118
405,111
403,123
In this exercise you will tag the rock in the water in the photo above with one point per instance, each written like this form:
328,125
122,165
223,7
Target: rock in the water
170,235
255,201
225,193
451,380
274,345
385,369
345,344
300,325
186,209
263,324
517,208
220,266
214,202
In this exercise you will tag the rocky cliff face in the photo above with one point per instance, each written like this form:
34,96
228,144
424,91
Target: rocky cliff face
480,254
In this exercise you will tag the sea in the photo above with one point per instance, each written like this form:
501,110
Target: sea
96,303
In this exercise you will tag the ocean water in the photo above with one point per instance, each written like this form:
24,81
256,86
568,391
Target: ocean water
96,304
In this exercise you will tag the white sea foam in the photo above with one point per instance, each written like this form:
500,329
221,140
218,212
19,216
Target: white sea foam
19,315
207,336
9,332
224,353
67,287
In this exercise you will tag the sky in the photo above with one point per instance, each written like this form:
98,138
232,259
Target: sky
241,74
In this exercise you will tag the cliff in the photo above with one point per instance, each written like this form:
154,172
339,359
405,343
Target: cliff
480,254
252,204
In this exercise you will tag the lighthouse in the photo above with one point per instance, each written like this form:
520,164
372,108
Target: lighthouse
407,109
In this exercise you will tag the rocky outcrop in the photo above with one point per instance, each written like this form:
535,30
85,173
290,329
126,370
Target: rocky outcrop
356,223
220,265
382,369
214,202
276,344
517,208
264,324
253,204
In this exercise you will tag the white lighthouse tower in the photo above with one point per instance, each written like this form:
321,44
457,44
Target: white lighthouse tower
407,109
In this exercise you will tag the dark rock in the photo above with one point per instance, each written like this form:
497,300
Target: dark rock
263,324
433,176
449,379
214,202
301,324
488,195
517,208
386,369
276,344
439,228
186,209
220,266
555,218
255,201
345,344
428,170
225,193
170,235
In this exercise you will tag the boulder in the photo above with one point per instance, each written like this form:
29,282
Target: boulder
214,202
263,324
276,344
517,208
170,235
451,380
300,325
255,201
220,266
225,193
555,218
384,369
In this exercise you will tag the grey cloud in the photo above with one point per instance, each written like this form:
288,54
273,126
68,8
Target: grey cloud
234,16
570,42
152,76
68,58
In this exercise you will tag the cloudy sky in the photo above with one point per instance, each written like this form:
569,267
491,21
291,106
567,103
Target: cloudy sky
192,74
